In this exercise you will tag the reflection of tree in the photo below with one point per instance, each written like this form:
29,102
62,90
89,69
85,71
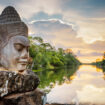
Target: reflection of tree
101,68
104,75
104,56
50,77
98,69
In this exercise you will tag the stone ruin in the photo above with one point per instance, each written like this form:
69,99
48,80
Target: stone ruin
18,85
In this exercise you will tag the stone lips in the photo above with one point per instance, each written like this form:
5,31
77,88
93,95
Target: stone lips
12,82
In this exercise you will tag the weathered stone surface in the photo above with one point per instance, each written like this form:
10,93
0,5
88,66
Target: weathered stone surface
29,98
14,43
13,82
17,84
9,15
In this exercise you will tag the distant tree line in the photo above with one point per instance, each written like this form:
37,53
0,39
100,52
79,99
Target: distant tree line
46,56
100,62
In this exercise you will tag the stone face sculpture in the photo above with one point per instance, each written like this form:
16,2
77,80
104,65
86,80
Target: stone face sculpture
14,43
17,83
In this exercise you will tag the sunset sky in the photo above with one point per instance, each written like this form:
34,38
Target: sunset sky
75,24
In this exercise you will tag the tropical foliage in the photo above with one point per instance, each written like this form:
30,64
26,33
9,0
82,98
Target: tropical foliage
46,56
100,62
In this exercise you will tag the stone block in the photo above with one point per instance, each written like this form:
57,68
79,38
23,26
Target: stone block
35,97
13,82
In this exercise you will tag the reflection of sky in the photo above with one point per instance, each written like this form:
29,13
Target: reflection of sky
88,86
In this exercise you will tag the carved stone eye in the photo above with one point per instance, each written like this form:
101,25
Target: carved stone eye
18,47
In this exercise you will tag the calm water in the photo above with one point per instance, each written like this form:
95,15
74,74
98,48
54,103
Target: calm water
85,85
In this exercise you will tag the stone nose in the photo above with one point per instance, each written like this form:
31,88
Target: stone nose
25,54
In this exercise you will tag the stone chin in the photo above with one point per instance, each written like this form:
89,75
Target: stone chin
15,54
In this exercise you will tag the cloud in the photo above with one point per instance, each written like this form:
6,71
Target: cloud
1,7
86,8
28,8
60,31
91,54
42,15
63,35
98,46
92,30
34,6
87,15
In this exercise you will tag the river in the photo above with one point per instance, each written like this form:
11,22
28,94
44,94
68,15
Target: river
84,86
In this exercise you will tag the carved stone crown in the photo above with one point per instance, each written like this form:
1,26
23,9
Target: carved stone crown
9,15
11,25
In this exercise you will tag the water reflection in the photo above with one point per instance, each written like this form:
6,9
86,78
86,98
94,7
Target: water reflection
103,69
86,86
49,78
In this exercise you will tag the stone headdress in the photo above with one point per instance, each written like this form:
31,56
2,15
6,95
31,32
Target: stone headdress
11,25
